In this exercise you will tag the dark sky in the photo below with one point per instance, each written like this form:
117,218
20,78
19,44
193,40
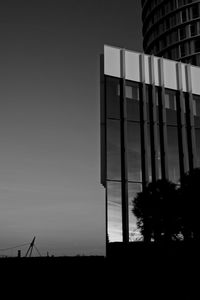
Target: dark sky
49,119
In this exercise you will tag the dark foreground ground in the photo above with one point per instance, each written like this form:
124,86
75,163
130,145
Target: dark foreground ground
135,267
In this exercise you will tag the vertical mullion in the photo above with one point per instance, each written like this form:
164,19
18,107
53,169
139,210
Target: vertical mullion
124,167
103,117
190,122
105,158
153,122
163,124
183,159
143,124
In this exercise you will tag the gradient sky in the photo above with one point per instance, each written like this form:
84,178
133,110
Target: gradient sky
49,119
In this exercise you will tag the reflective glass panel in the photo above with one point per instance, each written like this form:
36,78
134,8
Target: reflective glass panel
173,154
134,152
170,106
196,110
112,97
114,211
133,189
113,150
132,98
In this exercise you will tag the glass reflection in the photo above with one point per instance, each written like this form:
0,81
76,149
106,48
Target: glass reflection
114,211
132,98
133,110
170,106
134,152
133,189
113,150
134,149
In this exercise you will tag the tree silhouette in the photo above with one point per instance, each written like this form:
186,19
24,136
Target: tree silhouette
190,205
157,210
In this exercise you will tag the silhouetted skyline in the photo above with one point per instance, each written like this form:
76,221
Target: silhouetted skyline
49,119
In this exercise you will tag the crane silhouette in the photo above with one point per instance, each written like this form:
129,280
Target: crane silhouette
30,249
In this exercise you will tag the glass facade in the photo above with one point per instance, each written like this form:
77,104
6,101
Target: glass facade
168,129
171,28
113,157
150,130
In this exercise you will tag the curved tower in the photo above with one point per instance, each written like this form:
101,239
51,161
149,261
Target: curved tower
171,28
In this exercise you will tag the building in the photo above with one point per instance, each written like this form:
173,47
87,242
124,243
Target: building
171,29
150,129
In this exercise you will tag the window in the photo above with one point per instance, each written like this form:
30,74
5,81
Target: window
112,98
193,29
132,99
134,152
195,11
196,110
162,10
175,35
182,49
193,61
175,53
182,33
167,24
173,154
114,211
134,233
164,42
172,4
113,150
161,27
170,105
173,20
157,47
180,2
197,45
184,15
169,54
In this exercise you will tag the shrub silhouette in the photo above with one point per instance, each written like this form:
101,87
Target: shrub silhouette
157,210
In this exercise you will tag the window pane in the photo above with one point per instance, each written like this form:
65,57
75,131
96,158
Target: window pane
193,29
173,154
114,211
182,33
134,152
196,110
184,15
133,189
197,45
132,98
113,150
195,11
133,112
182,49
112,98
170,105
